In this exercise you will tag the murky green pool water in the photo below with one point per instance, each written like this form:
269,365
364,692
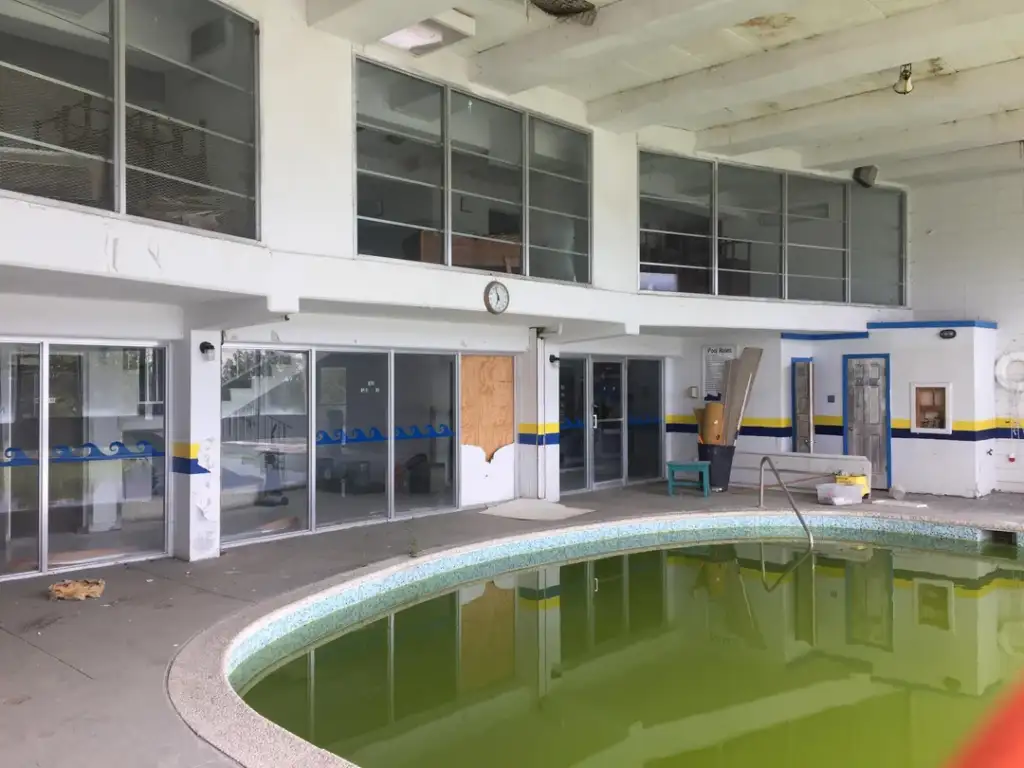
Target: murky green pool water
857,656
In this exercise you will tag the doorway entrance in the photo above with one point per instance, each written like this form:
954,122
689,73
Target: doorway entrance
866,426
611,425
802,380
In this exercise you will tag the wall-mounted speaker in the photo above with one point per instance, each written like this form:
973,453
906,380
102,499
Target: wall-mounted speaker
866,175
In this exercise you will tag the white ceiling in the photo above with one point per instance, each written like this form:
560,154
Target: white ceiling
744,76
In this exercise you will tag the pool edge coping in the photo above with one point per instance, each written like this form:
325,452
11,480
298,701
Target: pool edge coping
202,694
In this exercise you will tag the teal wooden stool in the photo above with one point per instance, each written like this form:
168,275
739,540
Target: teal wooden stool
702,470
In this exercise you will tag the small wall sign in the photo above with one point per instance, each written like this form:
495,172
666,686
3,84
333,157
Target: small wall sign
947,333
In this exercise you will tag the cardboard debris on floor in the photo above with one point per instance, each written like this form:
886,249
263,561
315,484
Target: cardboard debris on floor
77,589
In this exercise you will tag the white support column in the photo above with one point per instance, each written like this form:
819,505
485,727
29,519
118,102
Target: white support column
538,428
195,445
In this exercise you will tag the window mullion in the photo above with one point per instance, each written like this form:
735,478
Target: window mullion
847,243
119,129
714,230
446,140
526,126
785,236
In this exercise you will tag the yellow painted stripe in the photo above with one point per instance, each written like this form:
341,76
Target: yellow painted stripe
185,450
680,418
549,428
540,605
762,422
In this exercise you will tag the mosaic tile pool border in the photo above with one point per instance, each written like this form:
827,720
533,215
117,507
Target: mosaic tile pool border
204,679
307,622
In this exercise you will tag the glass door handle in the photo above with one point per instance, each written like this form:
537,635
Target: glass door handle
597,585
594,422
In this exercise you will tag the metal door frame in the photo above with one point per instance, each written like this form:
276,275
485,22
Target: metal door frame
588,387
592,482
793,399
886,392
588,410
44,345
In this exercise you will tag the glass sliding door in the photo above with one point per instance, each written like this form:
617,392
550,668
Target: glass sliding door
351,437
107,453
19,458
264,443
424,437
572,424
607,421
643,419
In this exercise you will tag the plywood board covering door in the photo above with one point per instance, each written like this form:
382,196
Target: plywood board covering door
488,402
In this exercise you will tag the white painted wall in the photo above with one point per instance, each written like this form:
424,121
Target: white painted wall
966,262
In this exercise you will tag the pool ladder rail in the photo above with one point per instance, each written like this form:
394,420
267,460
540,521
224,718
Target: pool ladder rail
766,461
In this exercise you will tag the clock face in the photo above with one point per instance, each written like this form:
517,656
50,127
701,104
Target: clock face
496,297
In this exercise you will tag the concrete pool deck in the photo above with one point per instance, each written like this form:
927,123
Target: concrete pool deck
85,683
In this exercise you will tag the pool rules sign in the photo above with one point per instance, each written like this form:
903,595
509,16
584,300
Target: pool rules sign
716,366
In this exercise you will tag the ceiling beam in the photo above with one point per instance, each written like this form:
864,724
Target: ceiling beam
985,161
367,21
880,147
563,51
933,31
969,93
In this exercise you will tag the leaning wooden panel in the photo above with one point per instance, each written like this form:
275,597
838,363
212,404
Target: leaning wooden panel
488,402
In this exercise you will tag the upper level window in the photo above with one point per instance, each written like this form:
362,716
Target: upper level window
447,178
737,231
877,246
749,232
183,149
676,236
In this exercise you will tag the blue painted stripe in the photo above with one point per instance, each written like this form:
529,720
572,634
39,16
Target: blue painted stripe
825,336
182,466
933,324
529,438
964,436
746,431
689,429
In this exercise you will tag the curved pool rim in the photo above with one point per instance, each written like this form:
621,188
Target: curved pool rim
203,679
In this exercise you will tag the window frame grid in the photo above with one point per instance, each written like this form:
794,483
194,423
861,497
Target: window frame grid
784,272
526,118
117,184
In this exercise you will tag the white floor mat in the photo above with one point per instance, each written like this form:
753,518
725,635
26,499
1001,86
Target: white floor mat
533,509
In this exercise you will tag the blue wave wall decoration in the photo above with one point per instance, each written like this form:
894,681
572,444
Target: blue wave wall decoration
65,454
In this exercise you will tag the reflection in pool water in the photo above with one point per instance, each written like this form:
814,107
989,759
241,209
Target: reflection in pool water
688,657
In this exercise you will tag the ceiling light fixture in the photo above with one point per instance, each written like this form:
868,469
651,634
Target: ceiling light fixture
413,38
905,84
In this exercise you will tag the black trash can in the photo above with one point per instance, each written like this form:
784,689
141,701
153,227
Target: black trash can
720,457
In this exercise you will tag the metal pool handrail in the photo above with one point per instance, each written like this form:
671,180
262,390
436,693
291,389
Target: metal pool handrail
767,461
